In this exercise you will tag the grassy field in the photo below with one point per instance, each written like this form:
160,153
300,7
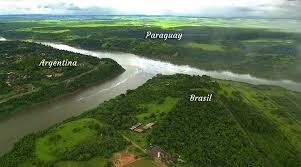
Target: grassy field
157,109
65,137
289,25
143,163
267,40
95,162
207,47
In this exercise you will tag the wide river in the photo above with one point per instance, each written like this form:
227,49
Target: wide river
138,71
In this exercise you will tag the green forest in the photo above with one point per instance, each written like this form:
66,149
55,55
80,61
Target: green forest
243,125
24,83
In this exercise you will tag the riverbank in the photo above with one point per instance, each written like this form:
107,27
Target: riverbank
27,84
44,115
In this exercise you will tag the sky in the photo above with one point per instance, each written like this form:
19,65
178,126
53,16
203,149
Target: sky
205,8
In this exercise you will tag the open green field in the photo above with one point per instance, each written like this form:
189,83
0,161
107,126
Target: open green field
157,109
207,47
95,162
65,137
143,163
288,25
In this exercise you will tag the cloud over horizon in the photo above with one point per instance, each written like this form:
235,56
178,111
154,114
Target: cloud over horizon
212,8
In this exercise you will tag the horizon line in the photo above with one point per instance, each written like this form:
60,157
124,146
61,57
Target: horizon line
145,15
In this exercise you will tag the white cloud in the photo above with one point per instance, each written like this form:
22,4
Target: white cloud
231,8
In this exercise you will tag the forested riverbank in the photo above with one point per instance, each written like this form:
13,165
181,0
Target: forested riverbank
232,129
25,83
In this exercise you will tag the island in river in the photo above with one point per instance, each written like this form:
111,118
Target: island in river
245,125
24,82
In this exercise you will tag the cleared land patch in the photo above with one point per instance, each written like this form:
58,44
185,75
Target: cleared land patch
95,162
155,109
124,158
65,137
206,47
143,163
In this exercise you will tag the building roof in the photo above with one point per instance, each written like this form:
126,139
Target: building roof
149,125
136,126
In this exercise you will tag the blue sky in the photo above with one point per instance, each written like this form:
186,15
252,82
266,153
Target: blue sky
206,8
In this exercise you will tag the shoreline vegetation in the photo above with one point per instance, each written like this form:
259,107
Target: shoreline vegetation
241,114
25,85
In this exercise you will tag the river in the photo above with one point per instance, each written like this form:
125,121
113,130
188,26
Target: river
155,67
138,71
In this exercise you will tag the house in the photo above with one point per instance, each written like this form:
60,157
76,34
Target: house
58,74
8,83
149,125
54,75
9,57
138,130
135,126
20,88
157,152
